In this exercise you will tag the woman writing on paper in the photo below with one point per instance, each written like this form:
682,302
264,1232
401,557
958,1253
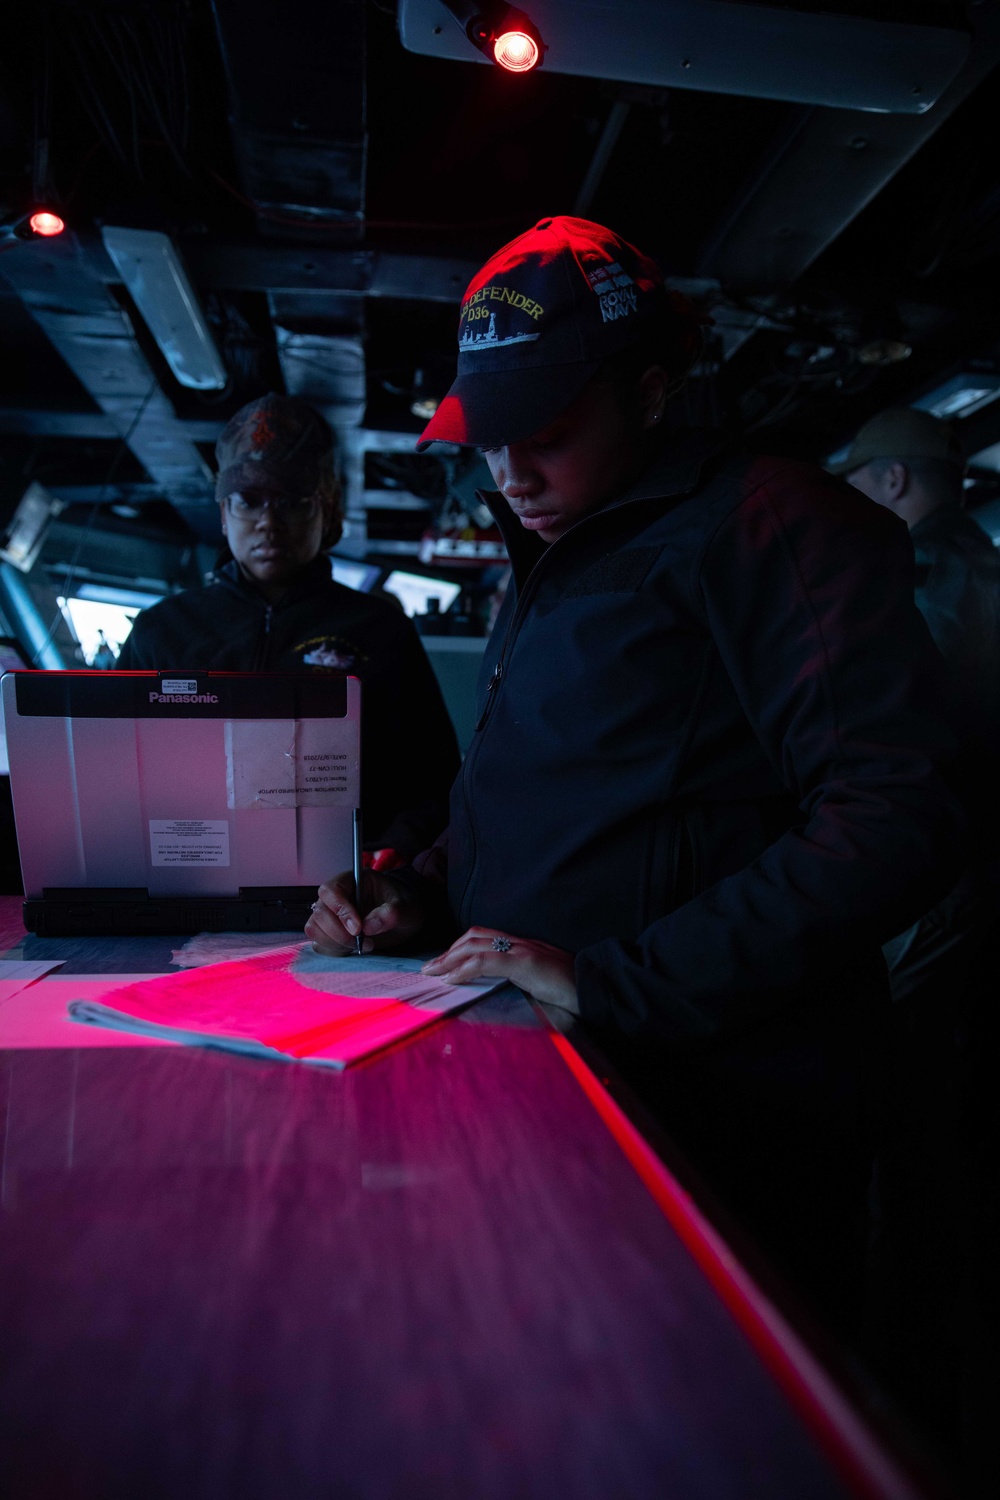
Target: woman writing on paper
706,782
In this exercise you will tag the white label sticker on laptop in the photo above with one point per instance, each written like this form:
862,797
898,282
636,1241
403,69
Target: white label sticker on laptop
292,763
189,841
178,685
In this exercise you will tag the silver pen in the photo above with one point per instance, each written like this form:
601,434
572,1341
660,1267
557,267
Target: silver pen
358,876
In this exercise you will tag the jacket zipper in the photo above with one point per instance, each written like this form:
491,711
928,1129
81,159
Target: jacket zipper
265,639
530,589
493,683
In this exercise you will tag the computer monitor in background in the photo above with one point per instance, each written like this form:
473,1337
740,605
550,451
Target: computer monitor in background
413,591
100,617
355,575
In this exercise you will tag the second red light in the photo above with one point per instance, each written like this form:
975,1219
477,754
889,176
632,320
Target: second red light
516,51
46,224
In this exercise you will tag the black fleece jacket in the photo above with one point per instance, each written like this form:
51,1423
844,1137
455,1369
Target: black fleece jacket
409,755
709,757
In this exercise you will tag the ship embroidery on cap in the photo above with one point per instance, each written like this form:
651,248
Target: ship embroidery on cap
617,293
489,339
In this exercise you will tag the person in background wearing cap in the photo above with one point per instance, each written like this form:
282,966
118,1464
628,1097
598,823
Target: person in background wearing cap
912,464
932,1181
704,785
275,607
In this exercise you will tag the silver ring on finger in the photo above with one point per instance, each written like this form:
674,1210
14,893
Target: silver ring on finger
501,945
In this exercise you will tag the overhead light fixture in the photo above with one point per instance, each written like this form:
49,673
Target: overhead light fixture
22,538
832,55
501,32
151,269
962,395
40,223
517,51
46,223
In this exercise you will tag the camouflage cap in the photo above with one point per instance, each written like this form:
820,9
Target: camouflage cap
902,432
276,443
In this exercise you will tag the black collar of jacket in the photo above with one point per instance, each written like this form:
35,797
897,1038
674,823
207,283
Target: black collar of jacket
311,579
674,473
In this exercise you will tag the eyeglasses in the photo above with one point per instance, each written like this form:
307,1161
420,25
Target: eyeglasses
251,506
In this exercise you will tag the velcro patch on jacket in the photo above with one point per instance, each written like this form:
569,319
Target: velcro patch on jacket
616,573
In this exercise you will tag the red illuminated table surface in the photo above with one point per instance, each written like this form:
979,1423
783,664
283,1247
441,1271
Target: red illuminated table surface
456,1271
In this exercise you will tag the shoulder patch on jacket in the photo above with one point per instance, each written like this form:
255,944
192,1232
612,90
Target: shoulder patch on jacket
330,652
620,572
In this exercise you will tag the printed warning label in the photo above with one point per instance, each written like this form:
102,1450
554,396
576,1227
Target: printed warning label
292,763
189,841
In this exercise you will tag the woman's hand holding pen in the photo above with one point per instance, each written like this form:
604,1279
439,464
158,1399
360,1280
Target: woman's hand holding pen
540,970
393,915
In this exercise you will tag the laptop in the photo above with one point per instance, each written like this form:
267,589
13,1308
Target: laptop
180,802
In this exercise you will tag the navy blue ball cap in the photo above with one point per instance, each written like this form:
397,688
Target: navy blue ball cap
276,443
537,323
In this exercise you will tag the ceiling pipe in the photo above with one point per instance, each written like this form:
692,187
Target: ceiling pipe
603,151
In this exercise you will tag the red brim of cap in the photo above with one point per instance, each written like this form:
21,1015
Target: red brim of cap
494,408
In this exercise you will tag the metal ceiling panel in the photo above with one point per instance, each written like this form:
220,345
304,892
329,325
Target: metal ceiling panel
36,421
92,332
767,52
362,273
326,370
296,78
820,174
320,342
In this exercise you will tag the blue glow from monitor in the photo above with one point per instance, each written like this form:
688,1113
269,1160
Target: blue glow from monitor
414,591
355,575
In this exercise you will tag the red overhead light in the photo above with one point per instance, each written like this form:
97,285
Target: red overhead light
501,32
46,223
517,51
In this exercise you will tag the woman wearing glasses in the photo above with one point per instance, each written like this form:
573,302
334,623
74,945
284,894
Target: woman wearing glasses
274,607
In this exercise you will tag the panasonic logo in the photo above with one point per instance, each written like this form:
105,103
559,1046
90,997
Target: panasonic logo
183,698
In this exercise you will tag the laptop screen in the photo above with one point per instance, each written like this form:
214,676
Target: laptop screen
193,783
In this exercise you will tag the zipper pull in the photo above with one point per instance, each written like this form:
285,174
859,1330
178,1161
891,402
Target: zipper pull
263,641
493,682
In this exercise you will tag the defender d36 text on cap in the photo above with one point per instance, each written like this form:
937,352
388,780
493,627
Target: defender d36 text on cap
539,320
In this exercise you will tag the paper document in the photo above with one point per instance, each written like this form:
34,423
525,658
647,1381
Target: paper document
17,974
37,1017
290,1004
376,984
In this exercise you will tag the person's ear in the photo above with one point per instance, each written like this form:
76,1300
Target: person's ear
222,516
333,519
654,388
896,480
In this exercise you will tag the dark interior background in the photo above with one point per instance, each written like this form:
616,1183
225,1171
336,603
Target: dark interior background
330,193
